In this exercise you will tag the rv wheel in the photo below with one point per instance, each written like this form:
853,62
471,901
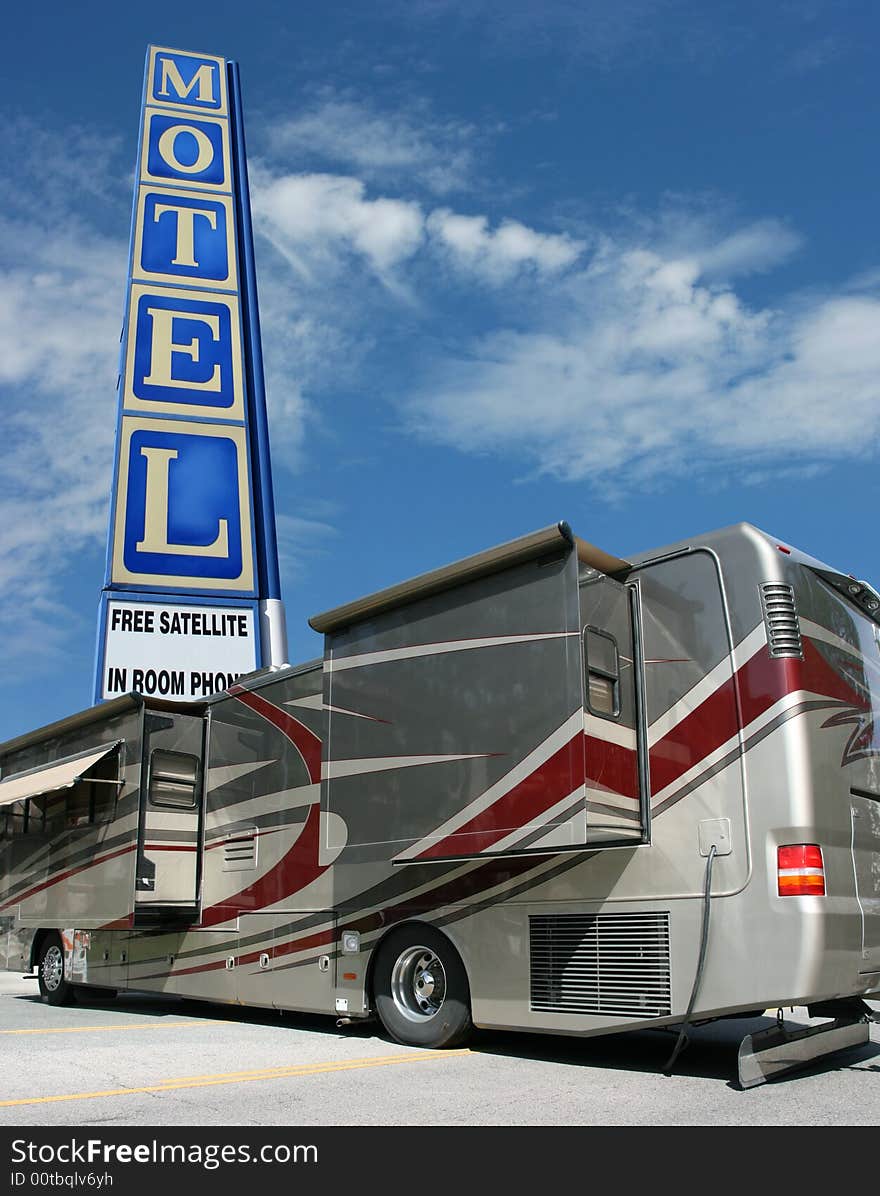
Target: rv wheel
53,987
421,989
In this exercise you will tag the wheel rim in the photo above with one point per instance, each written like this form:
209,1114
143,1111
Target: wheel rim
52,968
418,984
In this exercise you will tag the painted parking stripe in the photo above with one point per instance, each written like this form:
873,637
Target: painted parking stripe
243,1077
119,1026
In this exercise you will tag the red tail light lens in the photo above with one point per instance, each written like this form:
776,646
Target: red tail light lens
800,870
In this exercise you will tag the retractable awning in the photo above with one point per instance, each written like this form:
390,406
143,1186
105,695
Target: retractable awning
61,775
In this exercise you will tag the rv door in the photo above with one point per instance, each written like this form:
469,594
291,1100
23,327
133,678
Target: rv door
170,824
614,741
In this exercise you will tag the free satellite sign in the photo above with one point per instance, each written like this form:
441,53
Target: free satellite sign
176,651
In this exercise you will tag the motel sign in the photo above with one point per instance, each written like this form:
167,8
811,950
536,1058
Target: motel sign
192,596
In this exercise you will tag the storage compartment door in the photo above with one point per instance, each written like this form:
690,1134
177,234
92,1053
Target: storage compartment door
616,805
866,865
171,815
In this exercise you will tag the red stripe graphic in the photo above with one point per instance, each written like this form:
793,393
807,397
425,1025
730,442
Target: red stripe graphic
299,866
305,741
763,681
756,686
612,767
759,684
698,734
47,884
549,783
321,938
296,869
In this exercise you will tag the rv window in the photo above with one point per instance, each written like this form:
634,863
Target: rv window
103,788
12,820
603,673
48,813
173,780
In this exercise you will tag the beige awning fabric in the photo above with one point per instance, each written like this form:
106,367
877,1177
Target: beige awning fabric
61,775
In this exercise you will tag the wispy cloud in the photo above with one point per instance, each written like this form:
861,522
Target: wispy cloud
61,298
498,254
644,367
62,287
317,221
755,249
382,146
312,216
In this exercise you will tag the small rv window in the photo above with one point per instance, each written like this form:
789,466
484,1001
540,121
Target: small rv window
602,665
12,820
104,785
173,780
54,807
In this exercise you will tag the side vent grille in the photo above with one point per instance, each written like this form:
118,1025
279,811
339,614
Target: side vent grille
781,620
600,963
240,852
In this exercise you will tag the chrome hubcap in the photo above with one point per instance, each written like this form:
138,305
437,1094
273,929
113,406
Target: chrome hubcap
52,968
418,983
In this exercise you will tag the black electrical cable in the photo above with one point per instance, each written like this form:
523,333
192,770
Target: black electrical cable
704,939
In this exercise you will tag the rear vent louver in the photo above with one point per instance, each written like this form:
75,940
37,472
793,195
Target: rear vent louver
781,620
600,963
240,852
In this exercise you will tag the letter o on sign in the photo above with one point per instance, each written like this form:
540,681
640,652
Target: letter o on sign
168,149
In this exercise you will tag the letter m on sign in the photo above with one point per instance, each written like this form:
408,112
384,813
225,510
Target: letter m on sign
180,80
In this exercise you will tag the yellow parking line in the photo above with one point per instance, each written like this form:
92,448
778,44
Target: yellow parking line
244,1077
119,1026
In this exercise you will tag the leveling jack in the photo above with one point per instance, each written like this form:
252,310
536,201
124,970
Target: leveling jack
781,1049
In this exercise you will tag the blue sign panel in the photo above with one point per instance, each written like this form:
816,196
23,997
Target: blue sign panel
185,236
180,149
182,515
184,350
196,81
183,512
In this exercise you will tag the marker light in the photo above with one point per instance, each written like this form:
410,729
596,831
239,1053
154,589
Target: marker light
800,870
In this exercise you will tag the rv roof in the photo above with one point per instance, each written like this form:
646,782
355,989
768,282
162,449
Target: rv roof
93,714
493,560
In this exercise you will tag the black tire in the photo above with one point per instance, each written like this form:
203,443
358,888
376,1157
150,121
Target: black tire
54,989
421,989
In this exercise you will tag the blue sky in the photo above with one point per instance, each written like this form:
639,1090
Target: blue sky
614,263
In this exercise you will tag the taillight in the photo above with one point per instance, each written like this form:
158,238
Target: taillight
800,870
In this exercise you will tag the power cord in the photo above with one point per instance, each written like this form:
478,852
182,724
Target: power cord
704,939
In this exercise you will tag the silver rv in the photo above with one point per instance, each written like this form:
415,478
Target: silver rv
543,788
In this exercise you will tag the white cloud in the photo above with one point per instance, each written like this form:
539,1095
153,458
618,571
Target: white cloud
312,214
62,288
642,368
59,327
751,250
315,219
498,255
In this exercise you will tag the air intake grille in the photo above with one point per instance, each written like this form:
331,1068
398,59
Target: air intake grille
240,852
600,963
781,620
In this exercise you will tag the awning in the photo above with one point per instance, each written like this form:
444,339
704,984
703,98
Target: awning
61,775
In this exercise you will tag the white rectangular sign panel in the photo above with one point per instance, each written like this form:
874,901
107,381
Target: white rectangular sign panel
173,651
